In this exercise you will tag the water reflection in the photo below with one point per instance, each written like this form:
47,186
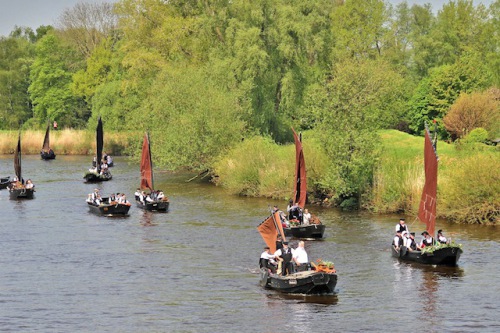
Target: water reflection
310,299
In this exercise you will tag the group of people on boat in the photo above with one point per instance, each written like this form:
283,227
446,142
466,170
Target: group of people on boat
406,238
104,167
285,260
96,199
295,216
20,184
143,197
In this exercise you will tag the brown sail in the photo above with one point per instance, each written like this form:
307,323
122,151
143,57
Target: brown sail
269,230
300,184
427,209
146,165
46,140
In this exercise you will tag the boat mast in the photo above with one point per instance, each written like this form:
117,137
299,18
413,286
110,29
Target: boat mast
150,162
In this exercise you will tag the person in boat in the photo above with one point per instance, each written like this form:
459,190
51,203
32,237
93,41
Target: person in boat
267,260
427,240
104,168
137,193
108,159
397,241
300,258
161,196
401,226
94,197
94,162
405,235
122,199
440,237
306,217
295,213
282,215
285,255
112,198
411,244
29,184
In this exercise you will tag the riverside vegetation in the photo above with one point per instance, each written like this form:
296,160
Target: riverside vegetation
218,84
468,182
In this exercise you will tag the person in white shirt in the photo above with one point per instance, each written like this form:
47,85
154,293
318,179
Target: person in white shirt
441,238
397,241
300,257
306,217
268,260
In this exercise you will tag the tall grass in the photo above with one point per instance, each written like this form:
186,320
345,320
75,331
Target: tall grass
63,142
468,179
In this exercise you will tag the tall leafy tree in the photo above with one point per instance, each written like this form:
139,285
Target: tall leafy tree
51,77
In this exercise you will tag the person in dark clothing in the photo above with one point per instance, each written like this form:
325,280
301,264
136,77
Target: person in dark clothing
286,256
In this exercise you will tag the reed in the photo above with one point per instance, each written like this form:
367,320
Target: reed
64,142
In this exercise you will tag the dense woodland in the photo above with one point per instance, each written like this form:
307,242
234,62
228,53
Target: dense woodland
205,77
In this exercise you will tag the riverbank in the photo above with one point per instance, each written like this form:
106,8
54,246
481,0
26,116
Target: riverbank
64,142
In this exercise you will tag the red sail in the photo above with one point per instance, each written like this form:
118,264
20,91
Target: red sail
300,184
146,165
269,230
427,209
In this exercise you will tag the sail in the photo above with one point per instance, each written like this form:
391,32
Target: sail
146,165
300,184
46,140
269,230
427,209
99,144
17,160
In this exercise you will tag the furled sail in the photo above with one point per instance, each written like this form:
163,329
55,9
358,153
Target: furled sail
99,144
300,184
46,140
146,165
427,209
17,160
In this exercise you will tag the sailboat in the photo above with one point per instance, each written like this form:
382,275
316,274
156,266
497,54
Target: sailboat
297,229
154,200
319,279
96,173
47,153
18,189
437,254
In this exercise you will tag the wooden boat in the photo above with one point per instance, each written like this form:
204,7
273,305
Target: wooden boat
19,189
438,254
154,200
95,174
315,229
47,153
107,208
4,182
316,281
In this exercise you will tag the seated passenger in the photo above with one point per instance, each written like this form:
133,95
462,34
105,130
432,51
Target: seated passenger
306,217
427,240
411,244
300,257
267,260
440,237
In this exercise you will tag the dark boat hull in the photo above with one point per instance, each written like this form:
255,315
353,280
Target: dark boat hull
4,182
50,155
306,231
160,206
447,256
309,282
92,177
21,193
109,210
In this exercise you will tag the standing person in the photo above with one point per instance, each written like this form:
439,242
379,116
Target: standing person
285,254
306,217
300,257
401,226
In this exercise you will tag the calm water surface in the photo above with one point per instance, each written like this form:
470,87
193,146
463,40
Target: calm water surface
63,269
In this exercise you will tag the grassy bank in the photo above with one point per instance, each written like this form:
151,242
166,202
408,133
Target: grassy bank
64,142
468,180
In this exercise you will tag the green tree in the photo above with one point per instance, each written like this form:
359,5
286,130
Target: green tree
51,78
16,56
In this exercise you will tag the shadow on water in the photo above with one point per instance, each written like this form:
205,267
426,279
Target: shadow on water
437,270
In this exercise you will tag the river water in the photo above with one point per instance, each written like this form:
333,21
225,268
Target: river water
192,269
